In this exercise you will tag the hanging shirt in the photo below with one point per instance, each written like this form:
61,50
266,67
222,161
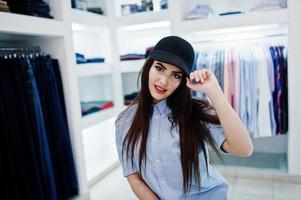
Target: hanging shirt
271,81
236,75
163,170
229,78
264,95
202,62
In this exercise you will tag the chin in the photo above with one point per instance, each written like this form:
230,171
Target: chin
156,98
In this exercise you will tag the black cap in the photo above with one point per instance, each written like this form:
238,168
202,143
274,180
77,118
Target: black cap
176,51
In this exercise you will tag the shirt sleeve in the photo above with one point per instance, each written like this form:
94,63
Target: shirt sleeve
218,135
126,164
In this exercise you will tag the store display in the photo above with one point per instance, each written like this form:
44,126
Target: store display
81,59
264,108
163,4
200,11
269,5
97,10
132,56
36,156
129,98
81,4
146,5
30,7
95,106
15,29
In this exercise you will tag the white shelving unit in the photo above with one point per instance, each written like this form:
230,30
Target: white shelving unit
88,18
90,69
98,117
231,21
30,25
54,37
131,66
143,18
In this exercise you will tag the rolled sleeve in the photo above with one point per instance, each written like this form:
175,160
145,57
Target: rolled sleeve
126,164
218,135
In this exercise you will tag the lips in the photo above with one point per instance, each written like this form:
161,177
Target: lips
160,90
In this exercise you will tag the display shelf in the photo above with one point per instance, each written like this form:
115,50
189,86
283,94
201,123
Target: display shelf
88,18
104,172
99,142
131,66
143,18
92,41
10,23
90,69
241,20
98,117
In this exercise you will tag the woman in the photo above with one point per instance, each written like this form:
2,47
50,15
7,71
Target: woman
163,136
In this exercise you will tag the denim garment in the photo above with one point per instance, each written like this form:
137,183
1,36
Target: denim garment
19,169
57,128
41,137
36,154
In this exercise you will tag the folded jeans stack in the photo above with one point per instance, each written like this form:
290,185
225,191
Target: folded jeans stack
81,59
30,7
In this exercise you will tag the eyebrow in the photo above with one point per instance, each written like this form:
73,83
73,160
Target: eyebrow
177,72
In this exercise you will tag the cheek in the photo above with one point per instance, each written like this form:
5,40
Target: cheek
175,85
151,75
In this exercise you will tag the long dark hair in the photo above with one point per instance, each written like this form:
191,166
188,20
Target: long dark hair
192,117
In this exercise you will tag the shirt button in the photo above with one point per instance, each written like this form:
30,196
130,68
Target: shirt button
155,139
163,182
158,161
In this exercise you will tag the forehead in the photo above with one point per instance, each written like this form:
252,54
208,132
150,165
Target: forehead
168,66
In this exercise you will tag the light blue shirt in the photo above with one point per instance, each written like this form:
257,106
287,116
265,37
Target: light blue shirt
163,170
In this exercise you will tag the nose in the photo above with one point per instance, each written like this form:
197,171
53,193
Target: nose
164,80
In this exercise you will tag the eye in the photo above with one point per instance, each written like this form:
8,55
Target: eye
178,76
160,69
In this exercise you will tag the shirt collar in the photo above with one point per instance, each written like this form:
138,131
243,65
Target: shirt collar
161,107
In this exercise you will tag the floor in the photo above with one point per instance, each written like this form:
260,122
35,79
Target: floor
245,184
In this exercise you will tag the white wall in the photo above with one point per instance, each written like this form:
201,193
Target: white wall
294,92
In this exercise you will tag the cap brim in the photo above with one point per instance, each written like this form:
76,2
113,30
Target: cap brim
170,59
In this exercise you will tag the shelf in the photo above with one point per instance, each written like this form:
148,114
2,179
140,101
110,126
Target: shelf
240,20
143,18
131,66
98,117
37,26
88,18
105,172
90,69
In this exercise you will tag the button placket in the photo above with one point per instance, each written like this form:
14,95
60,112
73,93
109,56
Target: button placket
155,140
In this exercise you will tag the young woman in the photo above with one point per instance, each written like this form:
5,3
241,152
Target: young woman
163,137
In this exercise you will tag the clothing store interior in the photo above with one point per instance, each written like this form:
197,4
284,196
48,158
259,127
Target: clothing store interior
81,61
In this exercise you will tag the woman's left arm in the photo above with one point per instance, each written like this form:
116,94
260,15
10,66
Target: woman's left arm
238,141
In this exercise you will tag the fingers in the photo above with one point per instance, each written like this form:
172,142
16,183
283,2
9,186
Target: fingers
199,75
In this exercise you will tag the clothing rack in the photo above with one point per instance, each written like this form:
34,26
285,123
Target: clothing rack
213,40
14,51
20,48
